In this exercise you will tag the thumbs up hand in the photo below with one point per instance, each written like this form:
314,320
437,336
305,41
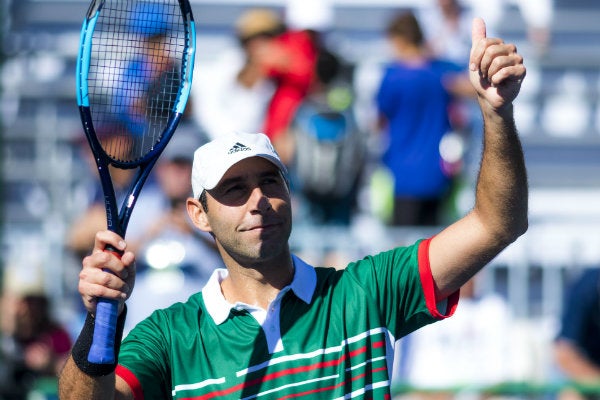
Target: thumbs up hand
496,69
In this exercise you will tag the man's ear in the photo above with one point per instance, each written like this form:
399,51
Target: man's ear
197,214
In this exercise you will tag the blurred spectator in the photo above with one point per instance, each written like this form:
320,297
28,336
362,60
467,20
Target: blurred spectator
446,27
147,72
538,16
80,236
475,348
268,82
447,30
577,346
447,24
330,150
414,100
290,62
159,220
174,259
34,346
236,81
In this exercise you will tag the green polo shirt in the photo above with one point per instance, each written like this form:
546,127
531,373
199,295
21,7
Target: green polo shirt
329,334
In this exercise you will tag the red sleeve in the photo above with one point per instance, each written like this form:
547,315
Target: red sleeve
293,83
281,110
132,381
429,286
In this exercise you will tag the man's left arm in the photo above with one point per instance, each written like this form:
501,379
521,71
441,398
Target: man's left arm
499,215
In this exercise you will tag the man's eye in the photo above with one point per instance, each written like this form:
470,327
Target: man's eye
270,181
275,178
234,189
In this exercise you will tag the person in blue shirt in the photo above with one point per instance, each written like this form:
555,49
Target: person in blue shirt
146,72
577,345
413,101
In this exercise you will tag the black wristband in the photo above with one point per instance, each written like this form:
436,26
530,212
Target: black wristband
82,346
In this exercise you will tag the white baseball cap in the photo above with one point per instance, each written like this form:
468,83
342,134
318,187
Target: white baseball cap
212,160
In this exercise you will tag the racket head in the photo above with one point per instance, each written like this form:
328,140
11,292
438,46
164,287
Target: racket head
134,73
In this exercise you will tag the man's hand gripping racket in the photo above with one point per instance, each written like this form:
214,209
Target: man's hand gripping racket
134,74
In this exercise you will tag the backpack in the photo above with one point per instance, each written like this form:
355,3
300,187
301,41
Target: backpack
329,148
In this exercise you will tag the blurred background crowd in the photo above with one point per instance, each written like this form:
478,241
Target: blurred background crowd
368,103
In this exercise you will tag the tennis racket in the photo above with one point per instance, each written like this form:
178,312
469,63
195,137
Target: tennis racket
134,74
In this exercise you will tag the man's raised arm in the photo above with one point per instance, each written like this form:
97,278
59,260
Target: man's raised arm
499,215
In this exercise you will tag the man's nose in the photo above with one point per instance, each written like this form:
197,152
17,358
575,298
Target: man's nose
260,201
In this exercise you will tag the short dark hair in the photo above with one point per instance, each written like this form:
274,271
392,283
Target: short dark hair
406,25
203,200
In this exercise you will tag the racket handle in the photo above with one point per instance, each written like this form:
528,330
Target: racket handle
102,350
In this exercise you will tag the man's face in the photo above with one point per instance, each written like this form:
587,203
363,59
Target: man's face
249,211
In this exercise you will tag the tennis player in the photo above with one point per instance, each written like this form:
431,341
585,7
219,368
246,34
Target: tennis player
272,326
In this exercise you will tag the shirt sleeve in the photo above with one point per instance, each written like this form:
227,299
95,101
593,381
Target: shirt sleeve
439,308
143,359
293,83
403,286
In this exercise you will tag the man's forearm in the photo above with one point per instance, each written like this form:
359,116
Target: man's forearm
502,195
499,216
81,379
75,384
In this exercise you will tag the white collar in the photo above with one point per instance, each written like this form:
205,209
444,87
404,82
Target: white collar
303,285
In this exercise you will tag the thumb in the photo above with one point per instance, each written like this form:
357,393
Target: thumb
477,30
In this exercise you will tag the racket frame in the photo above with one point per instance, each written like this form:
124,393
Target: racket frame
103,346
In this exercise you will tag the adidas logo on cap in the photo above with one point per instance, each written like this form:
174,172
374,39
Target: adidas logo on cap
213,159
238,147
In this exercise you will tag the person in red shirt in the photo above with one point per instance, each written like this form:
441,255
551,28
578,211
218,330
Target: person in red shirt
293,58
285,56
291,64
34,345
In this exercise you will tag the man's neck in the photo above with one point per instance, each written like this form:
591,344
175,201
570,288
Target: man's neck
257,285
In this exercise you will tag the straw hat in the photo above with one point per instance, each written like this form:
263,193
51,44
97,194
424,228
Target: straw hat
258,21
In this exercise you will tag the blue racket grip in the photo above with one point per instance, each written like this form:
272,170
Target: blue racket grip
102,350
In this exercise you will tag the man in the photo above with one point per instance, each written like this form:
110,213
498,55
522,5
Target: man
272,326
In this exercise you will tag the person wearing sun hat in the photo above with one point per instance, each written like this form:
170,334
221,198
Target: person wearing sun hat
236,79
258,22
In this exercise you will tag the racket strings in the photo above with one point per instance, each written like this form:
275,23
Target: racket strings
135,74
